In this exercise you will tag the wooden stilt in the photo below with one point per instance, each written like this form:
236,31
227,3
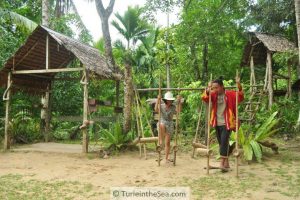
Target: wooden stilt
159,116
7,98
85,112
208,127
175,148
139,133
236,129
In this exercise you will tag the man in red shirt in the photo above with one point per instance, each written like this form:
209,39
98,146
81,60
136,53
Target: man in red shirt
223,114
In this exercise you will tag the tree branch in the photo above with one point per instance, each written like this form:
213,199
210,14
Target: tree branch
100,8
110,7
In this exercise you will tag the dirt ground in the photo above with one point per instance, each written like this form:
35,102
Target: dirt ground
277,177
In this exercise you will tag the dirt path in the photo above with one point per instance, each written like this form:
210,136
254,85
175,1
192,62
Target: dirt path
64,162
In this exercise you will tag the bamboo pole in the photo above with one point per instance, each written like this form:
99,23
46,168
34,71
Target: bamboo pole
188,89
141,123
41,71
138,125
175,148
159,116
208,126
197,130
85,113
7,112
236,129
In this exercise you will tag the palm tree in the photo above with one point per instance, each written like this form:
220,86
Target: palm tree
130,25
146,54
132,29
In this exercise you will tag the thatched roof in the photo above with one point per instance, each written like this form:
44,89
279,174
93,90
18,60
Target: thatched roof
260,43
62,50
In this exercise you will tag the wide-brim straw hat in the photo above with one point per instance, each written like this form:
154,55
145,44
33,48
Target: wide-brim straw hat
169,96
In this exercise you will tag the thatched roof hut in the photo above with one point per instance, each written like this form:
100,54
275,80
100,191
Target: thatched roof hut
33,68
260,43
62,50
259,51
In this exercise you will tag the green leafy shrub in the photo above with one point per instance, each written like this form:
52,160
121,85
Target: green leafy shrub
24,128
63,130
249,137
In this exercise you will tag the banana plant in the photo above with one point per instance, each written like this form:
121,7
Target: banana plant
249,137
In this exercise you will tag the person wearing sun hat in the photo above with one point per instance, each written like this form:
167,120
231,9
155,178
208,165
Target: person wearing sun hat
166,124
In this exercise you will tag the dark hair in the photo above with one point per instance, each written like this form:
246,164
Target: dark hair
219,81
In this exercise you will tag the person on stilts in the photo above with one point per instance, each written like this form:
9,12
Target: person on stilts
165,124
223,114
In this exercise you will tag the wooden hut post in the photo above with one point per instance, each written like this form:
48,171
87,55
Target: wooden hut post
270,78
252,76
85,112
45,115
7,112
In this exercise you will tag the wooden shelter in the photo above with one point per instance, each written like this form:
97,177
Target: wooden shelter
45,53
258,52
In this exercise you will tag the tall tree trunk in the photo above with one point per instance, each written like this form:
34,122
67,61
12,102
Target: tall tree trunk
195,61
45,13
205,63
128,96
297,12
104,16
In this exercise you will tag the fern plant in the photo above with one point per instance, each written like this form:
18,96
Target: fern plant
250,137
114,136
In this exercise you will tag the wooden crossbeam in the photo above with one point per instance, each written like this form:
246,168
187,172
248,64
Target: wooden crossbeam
41,71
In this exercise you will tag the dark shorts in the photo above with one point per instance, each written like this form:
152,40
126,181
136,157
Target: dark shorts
223,136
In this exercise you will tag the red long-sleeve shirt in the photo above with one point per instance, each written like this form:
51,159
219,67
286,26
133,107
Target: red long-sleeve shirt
230,110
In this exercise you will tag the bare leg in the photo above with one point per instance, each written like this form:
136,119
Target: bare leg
222,162
161,135
226,163
167,143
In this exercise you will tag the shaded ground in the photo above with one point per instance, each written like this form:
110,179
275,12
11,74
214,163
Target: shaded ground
60,171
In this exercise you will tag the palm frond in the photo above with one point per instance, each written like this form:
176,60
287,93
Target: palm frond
18,19
266,127
256,150
248,153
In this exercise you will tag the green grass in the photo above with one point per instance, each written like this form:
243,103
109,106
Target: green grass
19,187
220,187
